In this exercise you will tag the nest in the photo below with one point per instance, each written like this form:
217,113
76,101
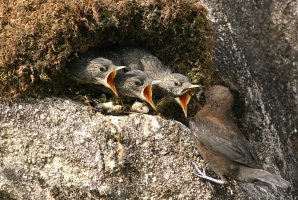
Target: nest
38,38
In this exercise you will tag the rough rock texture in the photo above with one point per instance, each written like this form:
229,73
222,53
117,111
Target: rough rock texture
55,148
257,55
59,149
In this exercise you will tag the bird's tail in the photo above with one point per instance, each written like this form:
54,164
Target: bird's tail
247,174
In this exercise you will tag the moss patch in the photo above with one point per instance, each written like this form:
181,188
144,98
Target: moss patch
38,38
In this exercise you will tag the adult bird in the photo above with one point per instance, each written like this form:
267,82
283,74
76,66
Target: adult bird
173,85
222,145
89,69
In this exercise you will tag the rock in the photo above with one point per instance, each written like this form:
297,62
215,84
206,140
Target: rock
256,53
74,153
58,149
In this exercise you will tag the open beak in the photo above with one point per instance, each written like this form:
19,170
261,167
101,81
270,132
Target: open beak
189,88
147,94
183,102
110,79
184,97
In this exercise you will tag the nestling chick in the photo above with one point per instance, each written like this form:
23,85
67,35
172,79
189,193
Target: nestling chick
136,84
173,85
90,70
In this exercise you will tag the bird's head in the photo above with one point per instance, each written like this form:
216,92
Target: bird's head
90,70
102,71
179,87
136,84
219,97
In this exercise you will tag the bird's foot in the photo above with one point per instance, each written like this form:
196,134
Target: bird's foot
203,175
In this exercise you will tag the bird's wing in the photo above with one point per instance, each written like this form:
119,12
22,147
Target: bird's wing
224,141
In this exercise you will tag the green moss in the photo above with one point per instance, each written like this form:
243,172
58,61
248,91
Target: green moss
38,38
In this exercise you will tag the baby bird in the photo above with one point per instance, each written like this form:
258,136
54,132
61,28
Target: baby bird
222,145
136,84
176,86
94,70
172,85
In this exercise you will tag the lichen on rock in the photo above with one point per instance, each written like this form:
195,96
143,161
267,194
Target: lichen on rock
57,148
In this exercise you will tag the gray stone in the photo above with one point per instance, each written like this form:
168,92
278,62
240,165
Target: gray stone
74,153
59,149
256,54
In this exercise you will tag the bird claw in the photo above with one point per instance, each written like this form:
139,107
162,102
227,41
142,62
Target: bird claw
202,174
199,173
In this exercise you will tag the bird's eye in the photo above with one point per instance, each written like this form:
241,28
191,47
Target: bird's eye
103,69
138,83
176,83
